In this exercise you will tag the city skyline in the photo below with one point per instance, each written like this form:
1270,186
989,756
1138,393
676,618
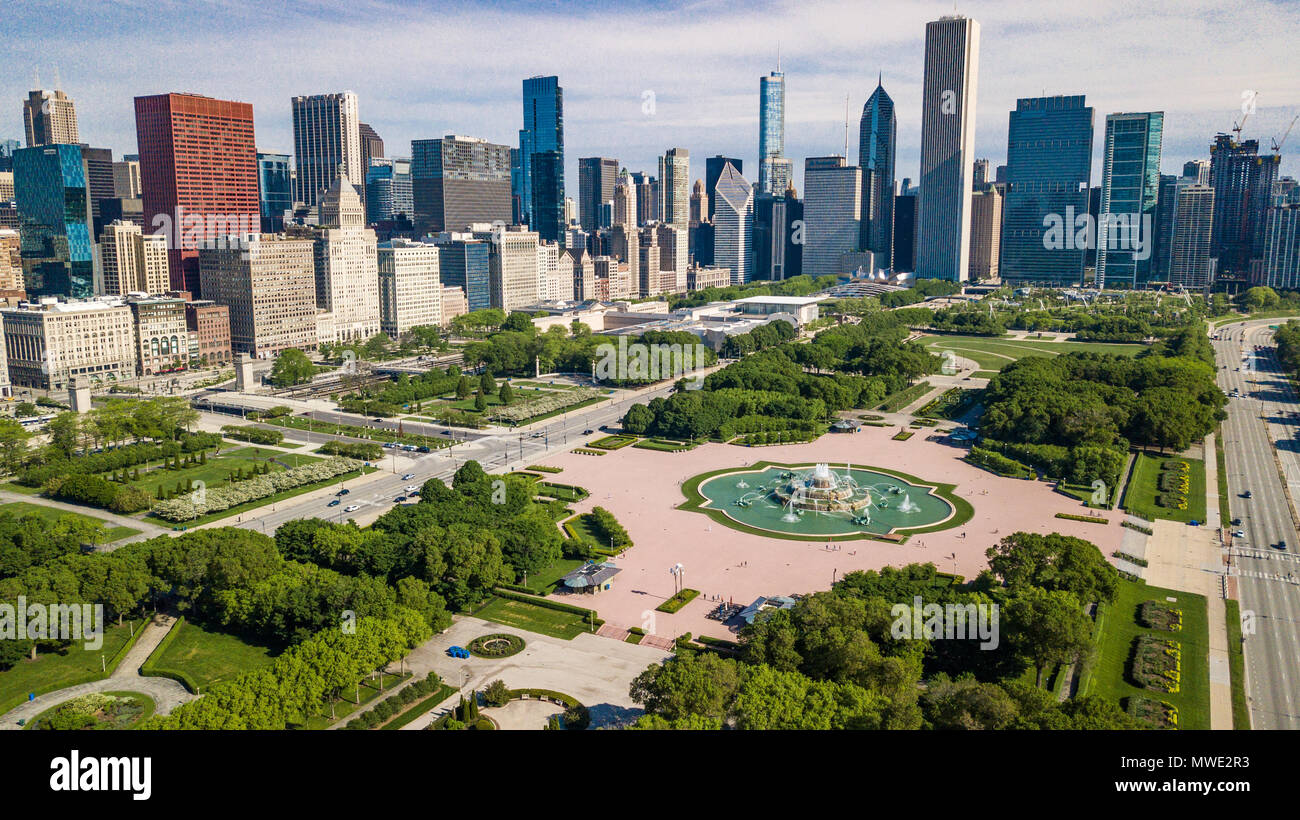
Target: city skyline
710,110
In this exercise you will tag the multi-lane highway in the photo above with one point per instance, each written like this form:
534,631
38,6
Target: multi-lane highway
1265,558
496,452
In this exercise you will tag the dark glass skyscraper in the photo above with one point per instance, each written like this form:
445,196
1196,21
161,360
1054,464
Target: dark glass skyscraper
53,198
464,264
547,173
457,181
596,178
1242,182
274,190
1049,172
712,170
543,132
877,135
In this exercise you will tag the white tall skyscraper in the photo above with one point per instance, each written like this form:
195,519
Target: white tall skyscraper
947,148
410,287
326,142
347,272
733,224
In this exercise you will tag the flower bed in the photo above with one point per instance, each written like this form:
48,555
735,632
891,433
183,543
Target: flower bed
1157,663
497,645
1160,615
1160,714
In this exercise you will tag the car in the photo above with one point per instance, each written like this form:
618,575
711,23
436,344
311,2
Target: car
352,508
1239,534
588,432
458,652
410,448
399,499
408,476
411,488
343,491
424,449
1246,494
1236,522
334,503
377,418
414,492
389,444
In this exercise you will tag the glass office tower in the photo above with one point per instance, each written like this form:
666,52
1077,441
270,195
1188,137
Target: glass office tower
877,135
53,198
1049,173
771,127
543,131
1130,190
274,190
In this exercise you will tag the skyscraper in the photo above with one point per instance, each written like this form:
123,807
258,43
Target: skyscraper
947,148
463,262
776,254
347,273
57,247
877,135
458,181
1243,183
372,145
1190,264
596,179
733,225
274,190
985,232
547,181
1281,268
699,203
771,127
1130,190
50,118
388,189
410,289
1049,172
133,261
712,170
198,174
269,284
326,143
675,187
543,132
832,213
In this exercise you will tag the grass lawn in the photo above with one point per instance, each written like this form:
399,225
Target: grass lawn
216,472
1236,665
534,618
143,702
995,354
206,656
54,513
1225,508
583,528
897,401
542,582
1109,675
60,668
1140,495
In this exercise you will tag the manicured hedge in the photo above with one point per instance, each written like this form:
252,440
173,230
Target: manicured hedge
253,435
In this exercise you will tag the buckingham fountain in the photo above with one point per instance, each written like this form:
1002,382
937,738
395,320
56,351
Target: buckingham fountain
823,500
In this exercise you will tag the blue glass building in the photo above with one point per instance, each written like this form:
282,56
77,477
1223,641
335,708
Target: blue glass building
51,188
464,263
543,132
389,189
877,136
771,127
1130,191
1049,174
274,190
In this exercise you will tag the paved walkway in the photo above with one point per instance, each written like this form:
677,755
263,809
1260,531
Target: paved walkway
167,694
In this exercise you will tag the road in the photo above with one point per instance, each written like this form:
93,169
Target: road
1267,576
496,452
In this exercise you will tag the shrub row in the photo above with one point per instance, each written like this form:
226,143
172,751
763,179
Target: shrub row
117,458
1132,559
395,704
253,435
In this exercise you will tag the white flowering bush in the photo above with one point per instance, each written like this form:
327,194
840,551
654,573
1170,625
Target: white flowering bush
192,506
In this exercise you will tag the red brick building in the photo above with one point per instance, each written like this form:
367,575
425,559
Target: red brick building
210,322
198,172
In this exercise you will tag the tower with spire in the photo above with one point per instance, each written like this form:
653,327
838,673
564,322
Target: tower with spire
877,137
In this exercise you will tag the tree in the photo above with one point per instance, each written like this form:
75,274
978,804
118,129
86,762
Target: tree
1047,627
13,444
1054,562
480,403
65,433
291,367
497,693
486,384
688,684
462,388
506,394
519,322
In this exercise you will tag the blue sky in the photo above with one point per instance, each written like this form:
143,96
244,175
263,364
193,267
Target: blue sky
424,69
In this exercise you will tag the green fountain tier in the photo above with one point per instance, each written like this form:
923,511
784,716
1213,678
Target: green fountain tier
823,501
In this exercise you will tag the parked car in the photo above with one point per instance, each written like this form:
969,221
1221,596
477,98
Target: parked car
424,449
458,652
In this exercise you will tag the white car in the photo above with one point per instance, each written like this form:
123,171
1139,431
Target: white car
408,476
410,488
352,508
1239,534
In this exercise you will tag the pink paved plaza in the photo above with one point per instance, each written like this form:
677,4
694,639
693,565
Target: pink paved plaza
642,488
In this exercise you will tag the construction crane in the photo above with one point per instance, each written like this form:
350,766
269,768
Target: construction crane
1245,115
1277,145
